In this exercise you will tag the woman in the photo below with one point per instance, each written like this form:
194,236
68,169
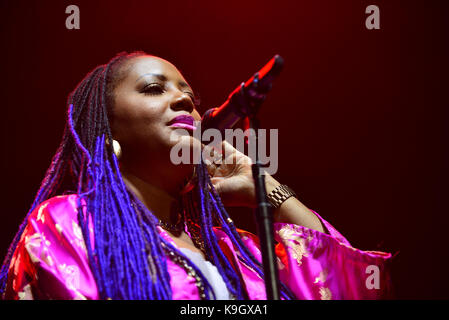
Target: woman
116,219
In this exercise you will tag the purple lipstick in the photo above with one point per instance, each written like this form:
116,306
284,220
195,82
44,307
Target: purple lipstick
183,121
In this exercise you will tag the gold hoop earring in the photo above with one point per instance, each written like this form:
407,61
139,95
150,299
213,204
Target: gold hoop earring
117,149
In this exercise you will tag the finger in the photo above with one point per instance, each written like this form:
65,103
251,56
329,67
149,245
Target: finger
212,155
230,148
211,169
233,155
216,183
229,152
218,157
207,154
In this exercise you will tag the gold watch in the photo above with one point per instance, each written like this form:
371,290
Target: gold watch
279,195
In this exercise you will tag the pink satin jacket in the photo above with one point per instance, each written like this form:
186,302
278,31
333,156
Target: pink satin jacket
51,262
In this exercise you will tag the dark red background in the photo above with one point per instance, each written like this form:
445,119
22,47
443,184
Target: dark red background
362,115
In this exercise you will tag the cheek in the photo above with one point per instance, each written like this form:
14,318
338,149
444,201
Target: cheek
137,119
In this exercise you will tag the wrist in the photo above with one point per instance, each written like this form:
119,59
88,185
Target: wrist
250,192
278,195
270,183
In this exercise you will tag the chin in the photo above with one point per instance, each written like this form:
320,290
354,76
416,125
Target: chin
185,149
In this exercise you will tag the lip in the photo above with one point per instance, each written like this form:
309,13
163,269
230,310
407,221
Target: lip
183,126
183,121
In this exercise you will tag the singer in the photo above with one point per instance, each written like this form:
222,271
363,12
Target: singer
114,218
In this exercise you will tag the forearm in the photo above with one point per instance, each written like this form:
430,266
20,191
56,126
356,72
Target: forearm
292,210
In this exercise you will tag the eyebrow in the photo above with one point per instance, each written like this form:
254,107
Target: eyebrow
163,78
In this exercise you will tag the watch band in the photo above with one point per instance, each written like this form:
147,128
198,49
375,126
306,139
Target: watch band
279,195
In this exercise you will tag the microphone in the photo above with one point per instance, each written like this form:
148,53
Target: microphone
245,100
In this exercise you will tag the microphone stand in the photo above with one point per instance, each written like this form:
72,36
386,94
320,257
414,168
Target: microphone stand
264,218
264,214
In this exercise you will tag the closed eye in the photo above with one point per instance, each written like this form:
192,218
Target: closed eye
156,89
153,89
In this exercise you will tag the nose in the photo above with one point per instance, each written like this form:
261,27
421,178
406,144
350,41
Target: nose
182,102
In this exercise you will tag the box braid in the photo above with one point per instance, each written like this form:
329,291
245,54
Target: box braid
127,255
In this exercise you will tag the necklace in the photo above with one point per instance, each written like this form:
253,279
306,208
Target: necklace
180,261
176,227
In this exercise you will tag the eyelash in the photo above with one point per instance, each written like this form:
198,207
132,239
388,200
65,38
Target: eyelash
149,90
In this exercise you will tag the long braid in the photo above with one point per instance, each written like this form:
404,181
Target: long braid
223,265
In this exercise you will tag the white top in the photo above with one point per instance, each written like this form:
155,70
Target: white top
210,272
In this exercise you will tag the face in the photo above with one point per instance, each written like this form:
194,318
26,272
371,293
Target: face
148,101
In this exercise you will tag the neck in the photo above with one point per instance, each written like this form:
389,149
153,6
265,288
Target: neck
162,199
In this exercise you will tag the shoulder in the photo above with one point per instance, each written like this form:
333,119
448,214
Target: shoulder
55,221
60,210
51,255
